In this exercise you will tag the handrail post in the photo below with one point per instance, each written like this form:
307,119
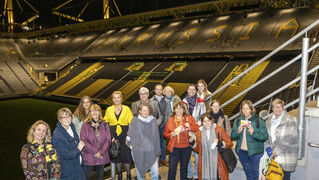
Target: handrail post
302,96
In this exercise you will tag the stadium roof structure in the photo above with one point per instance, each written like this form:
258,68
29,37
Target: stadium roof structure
39,19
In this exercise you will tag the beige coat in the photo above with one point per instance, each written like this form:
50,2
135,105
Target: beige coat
220,123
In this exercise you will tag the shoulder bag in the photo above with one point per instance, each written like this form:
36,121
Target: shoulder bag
228,157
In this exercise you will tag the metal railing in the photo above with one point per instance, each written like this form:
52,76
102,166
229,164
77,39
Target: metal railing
283,87
302,78
265,58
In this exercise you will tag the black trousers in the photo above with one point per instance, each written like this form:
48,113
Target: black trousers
179,154
99,172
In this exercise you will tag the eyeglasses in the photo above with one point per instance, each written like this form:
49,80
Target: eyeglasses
143,93
65,117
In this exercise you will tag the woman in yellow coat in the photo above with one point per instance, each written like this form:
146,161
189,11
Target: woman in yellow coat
119,117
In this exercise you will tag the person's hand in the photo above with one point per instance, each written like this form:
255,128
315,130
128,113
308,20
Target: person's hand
274,154
81,145
191,138
240,129
251,130
173,134
215,141
98,155
187,125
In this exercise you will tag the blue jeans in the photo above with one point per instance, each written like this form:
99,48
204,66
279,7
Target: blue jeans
250,164
286,175
179,154
190,173
153,169
162,144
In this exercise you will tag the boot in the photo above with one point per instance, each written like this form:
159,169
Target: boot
128,177
119,176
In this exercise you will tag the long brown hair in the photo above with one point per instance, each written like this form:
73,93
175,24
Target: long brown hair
206,93
47,137
92,108
80,111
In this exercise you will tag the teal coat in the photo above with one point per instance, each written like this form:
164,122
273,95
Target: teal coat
255,142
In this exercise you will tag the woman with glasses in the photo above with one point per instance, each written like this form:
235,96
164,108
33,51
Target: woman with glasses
68,146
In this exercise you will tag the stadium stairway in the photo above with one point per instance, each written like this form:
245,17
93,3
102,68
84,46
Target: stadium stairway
240,85
94,87
77,79
132,86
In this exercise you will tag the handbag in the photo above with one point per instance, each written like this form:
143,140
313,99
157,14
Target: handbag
274,171
115,148
228,156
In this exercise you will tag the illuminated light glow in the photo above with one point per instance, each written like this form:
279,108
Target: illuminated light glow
174,24
155,26
88,38
123,30
223,18
137,28
288,10
78,39
110,31
194,22
252,15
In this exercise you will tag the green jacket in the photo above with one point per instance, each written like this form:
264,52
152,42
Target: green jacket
255,142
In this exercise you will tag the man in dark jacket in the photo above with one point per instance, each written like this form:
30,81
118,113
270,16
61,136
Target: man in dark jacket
165,109
144,95
68,146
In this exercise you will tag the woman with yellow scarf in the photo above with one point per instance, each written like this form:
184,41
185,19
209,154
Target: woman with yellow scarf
119,117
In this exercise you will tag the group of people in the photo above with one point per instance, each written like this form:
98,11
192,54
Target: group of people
191,126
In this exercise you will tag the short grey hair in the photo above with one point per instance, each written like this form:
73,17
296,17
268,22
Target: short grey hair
143,89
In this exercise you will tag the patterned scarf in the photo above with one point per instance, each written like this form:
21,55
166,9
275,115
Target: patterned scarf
191,103
46,150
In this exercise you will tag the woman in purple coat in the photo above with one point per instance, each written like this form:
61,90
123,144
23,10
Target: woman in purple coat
97,138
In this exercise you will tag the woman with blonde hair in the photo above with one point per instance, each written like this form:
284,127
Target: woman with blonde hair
119,117
203,91
250,133
81,113
96,135
39,159
283,146
219,117
177,131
